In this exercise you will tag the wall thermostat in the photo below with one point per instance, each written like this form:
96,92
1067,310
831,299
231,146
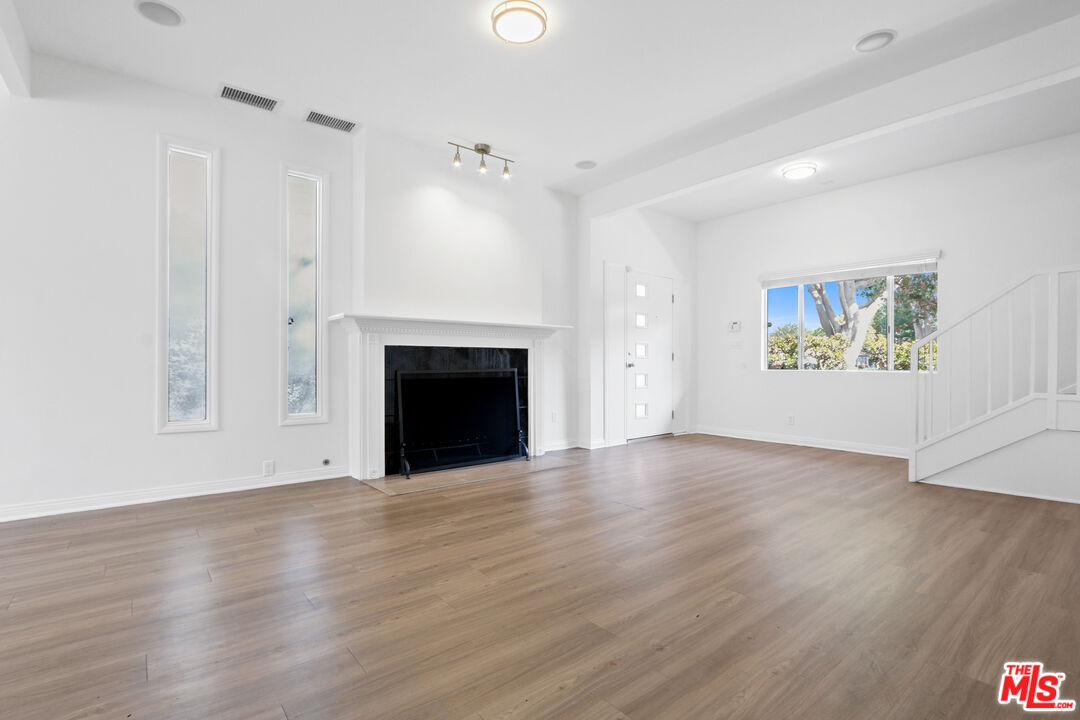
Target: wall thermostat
734,326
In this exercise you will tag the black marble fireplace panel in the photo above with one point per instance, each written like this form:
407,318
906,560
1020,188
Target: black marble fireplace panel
446,359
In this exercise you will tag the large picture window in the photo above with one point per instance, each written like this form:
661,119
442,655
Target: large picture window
187,372
302,298
864,320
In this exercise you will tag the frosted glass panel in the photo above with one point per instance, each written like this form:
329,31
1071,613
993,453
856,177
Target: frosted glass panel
641,381
302,198
188,240
641,410
640,320
641,350
640,290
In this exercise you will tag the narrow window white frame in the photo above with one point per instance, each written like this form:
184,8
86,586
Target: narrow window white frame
167,145
321,414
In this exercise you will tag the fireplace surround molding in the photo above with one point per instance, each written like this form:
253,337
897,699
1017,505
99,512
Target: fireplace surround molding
367,338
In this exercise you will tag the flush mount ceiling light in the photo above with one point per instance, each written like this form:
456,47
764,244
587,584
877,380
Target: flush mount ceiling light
484,151
585,164
519,21
160,13
799,171
874,41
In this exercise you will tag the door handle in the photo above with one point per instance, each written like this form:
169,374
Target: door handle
629,365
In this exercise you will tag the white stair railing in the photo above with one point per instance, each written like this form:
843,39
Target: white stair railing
1022,345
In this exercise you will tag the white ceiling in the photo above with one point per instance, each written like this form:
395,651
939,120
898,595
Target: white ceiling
912,145
622,82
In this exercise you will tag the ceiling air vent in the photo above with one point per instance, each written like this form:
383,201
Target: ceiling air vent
330,121
248,98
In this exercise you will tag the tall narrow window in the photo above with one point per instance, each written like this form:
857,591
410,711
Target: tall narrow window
303,302
187,378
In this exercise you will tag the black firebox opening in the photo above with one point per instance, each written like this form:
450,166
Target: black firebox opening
451,418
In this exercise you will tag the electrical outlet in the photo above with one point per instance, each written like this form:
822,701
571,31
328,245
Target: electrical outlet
268,468
790,419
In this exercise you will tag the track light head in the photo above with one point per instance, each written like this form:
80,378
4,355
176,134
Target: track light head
483,150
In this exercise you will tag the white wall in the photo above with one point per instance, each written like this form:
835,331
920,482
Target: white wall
1009,470
654,243
78,228
448,243
996,218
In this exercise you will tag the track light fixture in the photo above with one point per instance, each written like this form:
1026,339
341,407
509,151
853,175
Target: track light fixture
484,151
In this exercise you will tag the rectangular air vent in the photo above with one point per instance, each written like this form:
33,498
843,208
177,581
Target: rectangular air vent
248,98
330,122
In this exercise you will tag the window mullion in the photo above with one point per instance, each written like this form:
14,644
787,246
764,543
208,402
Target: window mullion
802,290
890,324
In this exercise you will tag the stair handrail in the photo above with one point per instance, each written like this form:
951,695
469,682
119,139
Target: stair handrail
978,309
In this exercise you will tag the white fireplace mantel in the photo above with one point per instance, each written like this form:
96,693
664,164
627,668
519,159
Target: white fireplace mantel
368,335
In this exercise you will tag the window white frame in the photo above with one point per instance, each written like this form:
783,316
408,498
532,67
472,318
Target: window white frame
321,414
213,156
887,268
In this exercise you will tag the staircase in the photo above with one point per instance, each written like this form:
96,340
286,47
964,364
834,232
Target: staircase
1005,372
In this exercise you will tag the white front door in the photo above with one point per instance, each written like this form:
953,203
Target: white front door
649,358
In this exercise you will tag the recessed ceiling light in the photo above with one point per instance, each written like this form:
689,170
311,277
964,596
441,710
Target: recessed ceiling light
875,40
585,164
160,13
799,171
519,21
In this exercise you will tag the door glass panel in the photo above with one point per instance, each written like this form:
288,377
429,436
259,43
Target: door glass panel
640,321
641,381
641,410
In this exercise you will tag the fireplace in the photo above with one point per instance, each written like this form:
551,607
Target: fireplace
434,344
454,406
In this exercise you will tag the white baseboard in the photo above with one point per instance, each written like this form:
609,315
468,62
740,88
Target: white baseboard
564,444
856,447
1001,491
169,492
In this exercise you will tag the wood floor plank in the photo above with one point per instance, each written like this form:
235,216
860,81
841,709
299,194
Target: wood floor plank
688,577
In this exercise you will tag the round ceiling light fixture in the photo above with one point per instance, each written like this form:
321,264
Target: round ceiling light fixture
585,164
872,42
799,171
160,13
519,21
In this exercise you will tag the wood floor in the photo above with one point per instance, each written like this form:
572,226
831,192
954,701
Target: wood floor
688,577
439,479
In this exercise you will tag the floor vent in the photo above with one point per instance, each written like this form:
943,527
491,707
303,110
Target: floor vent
248,98
330,121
